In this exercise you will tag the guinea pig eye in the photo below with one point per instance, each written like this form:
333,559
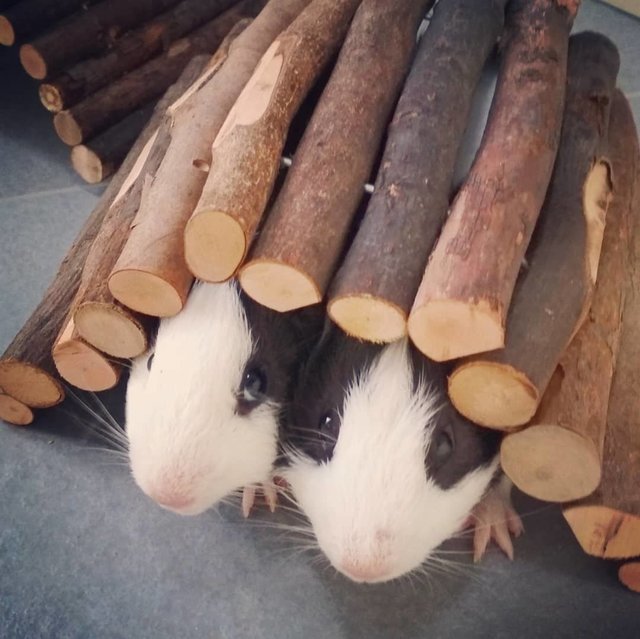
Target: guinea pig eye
441,448
252,390
328,425
150,361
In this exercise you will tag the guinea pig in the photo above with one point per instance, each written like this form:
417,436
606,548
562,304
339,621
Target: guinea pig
203,406
382,465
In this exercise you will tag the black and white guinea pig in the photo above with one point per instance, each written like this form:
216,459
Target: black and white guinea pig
203,407
380,462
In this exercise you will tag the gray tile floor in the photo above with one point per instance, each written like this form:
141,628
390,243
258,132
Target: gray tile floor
83,554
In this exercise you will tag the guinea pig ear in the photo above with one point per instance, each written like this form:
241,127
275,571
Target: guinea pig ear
309,323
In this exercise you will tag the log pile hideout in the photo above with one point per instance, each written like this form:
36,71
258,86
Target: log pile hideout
525,278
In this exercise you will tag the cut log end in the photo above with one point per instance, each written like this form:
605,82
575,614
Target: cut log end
604,532
88,165
369,318
145,292
448,329
551,463
629,575
278,286
83,366
109,330
50,97
493,395
32,62
29,384
7,34
14,412
215,245
67,128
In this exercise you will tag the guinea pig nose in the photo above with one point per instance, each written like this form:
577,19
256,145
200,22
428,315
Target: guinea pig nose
368,571
169,498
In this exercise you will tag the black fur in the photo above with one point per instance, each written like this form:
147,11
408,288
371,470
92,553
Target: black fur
334,364
282,342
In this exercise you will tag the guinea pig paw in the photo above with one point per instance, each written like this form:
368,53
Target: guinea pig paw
495,518
249,497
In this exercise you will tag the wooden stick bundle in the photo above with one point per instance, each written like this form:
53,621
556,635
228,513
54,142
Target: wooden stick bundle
92,31
14,412
462,302
607,523
150,275
502,389
130,51
98,158
246,151
303,237
373,291
560,457
98,318
30,16
109,105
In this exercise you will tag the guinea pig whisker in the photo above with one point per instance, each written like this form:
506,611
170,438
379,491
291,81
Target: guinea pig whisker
98,429
105,411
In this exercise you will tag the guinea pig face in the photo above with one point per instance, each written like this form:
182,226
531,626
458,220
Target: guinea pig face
385,469
200,413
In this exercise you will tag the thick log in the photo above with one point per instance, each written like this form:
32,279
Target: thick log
502,389
109,105
560,456
14,412
151,275
304,235
98,158
81,364
130,51
607,523
246,151
373,291
461,305
95,30
99,319
629,575
31,16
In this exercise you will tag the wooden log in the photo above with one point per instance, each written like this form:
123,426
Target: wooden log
629,575
93,31
246,151
502,389
373,291
99,319
109,105
98,158
305,233
461,305
560,456
81,364
150,275
607,523
31,16
130,51
14,412
27,370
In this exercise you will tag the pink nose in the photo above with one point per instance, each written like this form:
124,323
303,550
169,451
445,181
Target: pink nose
369,571
171,498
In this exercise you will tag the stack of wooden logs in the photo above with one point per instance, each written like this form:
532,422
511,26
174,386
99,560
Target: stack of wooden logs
547,351
104,64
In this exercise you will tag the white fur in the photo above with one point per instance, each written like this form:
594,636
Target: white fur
374,512
188,448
